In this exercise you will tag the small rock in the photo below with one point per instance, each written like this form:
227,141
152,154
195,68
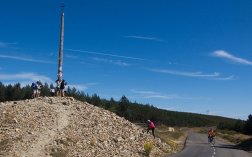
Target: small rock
54,150
78,109
132,138
64,103
15,120
29,132
71,98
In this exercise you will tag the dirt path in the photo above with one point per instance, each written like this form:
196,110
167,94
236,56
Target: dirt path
37,148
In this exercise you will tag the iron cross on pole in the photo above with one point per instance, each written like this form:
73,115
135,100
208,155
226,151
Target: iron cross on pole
60,72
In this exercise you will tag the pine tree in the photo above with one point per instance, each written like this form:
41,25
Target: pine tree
95,100
248,125
123,105
2,92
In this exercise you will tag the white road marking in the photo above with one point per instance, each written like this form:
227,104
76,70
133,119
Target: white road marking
214,153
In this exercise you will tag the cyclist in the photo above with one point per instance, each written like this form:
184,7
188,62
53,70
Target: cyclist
211,135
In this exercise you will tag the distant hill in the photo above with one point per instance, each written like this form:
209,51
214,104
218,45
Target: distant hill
175,118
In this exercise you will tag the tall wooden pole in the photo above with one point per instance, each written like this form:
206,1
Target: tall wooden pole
60,72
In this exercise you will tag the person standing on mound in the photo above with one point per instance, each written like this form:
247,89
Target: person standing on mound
151,126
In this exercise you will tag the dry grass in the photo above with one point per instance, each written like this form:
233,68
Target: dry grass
163,133
174,145
174,139
242,141
232,136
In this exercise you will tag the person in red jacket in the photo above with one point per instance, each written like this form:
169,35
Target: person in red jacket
151,126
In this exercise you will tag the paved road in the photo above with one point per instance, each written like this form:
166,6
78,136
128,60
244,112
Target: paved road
197,146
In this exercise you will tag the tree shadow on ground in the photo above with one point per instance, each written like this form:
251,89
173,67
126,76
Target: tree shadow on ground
245,145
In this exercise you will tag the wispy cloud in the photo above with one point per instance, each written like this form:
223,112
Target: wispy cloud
152,94
79,87
144,38
26,59
71,56
25,77
168,108
82,87
183,73
232,77
5,44
213,76
106,54
225,55
114,62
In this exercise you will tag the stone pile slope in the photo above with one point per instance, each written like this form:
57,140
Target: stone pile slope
62,127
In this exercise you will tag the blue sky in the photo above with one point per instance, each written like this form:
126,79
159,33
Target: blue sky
192,56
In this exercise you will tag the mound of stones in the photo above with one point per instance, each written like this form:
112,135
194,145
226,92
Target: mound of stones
65,127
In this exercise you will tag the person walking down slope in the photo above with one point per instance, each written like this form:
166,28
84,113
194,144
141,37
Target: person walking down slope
151,126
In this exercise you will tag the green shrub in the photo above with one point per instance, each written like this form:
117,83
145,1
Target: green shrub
148,146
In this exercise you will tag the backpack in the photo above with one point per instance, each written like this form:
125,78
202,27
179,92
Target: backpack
63,84
34,86
151,125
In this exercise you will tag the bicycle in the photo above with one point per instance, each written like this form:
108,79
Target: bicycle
211,140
